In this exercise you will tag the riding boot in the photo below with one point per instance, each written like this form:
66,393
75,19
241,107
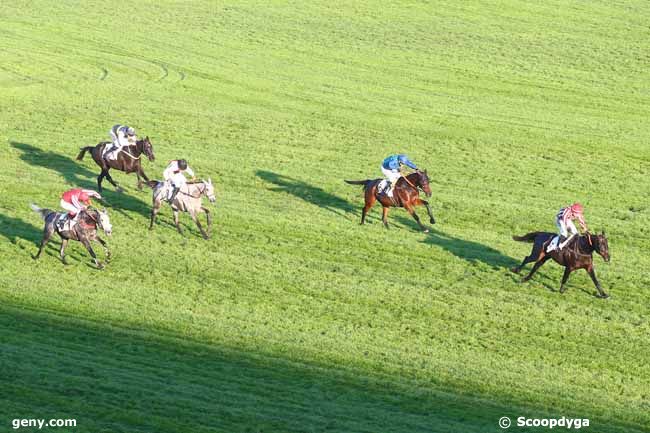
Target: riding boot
174,194
389,189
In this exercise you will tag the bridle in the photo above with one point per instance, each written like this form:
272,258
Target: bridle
576,248
98,223
410,183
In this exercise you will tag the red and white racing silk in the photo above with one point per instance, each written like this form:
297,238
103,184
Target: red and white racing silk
77,199
566,214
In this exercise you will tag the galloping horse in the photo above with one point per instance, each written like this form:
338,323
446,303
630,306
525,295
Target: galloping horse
575,255
84,231
405,194
128,160
189,199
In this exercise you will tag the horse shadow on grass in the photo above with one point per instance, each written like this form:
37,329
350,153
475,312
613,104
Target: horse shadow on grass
309,193
471,251
15,229
76,175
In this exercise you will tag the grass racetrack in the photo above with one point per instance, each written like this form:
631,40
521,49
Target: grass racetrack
293,317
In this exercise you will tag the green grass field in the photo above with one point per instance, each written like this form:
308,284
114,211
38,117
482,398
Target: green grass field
293,317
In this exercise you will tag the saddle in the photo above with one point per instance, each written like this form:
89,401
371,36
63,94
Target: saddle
65,223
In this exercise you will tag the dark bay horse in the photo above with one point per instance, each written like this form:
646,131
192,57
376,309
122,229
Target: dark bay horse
128,160
576,255
405,194
84,231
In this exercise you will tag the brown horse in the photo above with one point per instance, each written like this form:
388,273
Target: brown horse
576,255
405,194
128,160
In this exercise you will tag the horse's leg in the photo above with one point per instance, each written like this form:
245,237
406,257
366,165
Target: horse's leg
420,202
432,220
208,216
198,224
537,265
154,211
106,250
527,259
534,255
415,216
384,216
100,178
86,243
370,202
141,173
64,244
139,185
47,234
110,179
592,274
565,277
178,226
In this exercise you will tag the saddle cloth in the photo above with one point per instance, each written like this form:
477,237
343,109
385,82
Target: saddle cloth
65,223
382,185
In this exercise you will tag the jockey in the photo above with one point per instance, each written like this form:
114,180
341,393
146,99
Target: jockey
121,135
174,175
391,167
77,199
564,222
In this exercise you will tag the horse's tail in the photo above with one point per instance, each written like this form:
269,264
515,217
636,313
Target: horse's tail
365,183
529,237
42,212
83,152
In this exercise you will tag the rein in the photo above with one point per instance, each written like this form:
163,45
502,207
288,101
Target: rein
576,248
130,155
97,223
200,192
409,182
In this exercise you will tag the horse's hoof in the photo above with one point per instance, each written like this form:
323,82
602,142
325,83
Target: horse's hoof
119,189
515,270
34,257
432,221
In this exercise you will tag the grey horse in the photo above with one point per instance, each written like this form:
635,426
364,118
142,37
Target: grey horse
189,199
84,231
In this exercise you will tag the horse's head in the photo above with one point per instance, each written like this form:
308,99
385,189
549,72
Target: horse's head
423,182
146,148
599,243
103,221
209,190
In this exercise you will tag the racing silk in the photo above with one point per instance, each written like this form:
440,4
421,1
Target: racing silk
118,134
120,130
393,162
79,198
565,215
172,170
